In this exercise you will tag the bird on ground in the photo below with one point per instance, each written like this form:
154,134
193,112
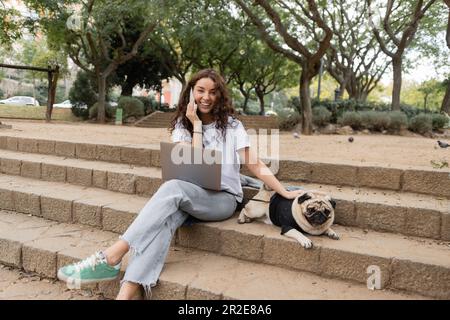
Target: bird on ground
350,139
443,144
296,135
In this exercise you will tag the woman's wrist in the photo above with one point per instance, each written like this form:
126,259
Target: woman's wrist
197,126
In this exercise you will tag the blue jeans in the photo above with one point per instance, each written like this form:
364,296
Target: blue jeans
150,234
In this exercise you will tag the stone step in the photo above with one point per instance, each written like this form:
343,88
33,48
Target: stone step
118,177
104,209
41,246
425,181
405,213
413,264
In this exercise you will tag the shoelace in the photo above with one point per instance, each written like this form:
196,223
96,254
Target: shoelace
91,262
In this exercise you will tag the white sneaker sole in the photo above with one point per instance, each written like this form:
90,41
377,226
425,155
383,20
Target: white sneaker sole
76,283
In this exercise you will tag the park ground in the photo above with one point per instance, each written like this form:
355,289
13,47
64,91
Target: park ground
366,149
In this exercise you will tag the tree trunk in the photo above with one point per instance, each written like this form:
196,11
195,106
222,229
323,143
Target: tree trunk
34,87
246,97
425,102
101,114
360,96
260,95
244,107
342,89
52,84
397,87
446,102
305,103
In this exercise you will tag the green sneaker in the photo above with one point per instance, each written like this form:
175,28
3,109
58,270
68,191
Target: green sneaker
90,270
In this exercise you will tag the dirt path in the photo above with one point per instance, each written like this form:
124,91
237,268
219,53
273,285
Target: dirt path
18,285
385,150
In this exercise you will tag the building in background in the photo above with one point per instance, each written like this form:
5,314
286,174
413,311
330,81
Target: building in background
171,91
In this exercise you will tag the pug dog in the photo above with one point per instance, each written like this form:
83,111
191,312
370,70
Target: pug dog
311,212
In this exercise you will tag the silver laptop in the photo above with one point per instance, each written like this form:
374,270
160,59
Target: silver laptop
184,162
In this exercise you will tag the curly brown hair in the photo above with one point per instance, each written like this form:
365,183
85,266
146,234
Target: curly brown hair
221,111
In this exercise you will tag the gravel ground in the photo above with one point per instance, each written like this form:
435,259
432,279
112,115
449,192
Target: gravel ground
372,149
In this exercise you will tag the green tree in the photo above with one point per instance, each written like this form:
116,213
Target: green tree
428,88
82,92
11,24
34,52
354,60
88,35
395,30
445,107
282,26
145,69
200,34
261,70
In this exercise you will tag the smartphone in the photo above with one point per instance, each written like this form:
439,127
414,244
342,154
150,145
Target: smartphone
191,96
191,99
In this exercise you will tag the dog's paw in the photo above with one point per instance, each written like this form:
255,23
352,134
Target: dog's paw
306,243
333,235
243,218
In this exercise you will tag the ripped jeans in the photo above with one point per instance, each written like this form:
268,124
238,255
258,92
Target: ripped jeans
150,234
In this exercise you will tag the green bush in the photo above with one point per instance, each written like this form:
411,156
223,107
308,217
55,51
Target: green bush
82,92
294,103
165,107
410,111
109,110
352,119
321,116
131,106
422,123
367,120
375,120
149,103
1,93
338,108
80,112
399,120
289,122
439,121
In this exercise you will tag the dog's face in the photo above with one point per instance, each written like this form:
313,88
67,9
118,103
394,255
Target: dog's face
317,208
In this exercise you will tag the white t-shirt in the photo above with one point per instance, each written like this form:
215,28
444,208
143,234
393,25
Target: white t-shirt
235,138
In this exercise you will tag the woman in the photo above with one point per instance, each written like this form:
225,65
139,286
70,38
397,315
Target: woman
207,122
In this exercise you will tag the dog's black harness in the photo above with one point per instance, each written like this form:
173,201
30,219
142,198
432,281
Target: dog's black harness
280,213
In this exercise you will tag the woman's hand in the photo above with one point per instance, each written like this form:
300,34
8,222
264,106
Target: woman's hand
293,194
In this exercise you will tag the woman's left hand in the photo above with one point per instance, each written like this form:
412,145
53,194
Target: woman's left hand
293,194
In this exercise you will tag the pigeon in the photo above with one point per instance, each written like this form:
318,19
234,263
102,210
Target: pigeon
350,139
296,135
443,144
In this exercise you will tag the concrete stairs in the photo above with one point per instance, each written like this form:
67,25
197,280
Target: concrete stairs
61,201
162,120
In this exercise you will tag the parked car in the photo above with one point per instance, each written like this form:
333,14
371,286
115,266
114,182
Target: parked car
21,101
64,104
